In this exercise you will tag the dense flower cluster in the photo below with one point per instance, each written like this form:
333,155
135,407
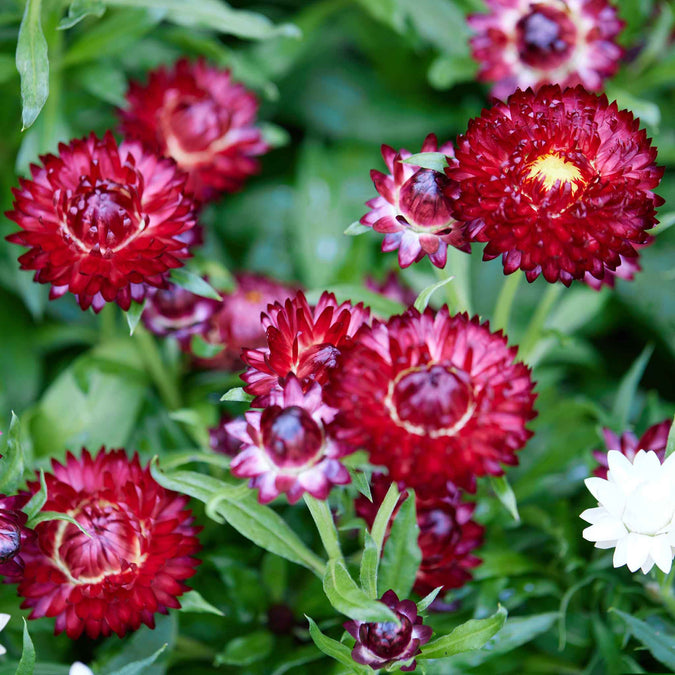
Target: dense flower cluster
132,563
197,115
414,209
527,43
558,183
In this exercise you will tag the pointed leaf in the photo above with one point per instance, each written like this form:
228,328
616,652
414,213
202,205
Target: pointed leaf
505,494
80,9
37,501
12,462
192,601
45,516
237,394
423,298
661,646
242,651
628,387
670,444
428,160
355,229
27,663
203,349
194,283
138,667
428,599
370,561
336,650
134,314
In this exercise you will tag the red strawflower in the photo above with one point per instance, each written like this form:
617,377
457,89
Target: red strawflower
627,269
237,324
558,183
133,564
178,313
384,643
414,209
434,398
198,115
14,536
302,340
524,43
102,221
285,448
628,444
447,534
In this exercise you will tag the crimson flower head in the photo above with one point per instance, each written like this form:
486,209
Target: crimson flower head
447,534
301,339
285,447
14,536
200,117
558,183
628,444
384,643
434,398
102,221
178,313
414,209
133,564
527,43
237,323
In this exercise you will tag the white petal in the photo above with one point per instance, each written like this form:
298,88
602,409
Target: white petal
647,565
608,529
79,668
594,485
612,497
647,464
2,650
4,619
662,553
637,550
620,553
620,469
594,515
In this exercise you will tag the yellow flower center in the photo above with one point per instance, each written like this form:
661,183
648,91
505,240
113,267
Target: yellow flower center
552,169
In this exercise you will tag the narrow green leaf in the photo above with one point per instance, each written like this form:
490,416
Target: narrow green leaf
383,516
27,663
323,519
336,650
428,599
348,599
32,62
237,394
402,555
428,160
423,298
138,667
12,462
134,314
203,349
470,635
628,387
670,444
370,562
192,601
194,283
274,135
80,9
242,651
361,483
505,494
37,501
45,516
661,646
355,229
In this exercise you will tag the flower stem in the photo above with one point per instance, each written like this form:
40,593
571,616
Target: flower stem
323,519
458,291
536,326
505,300
159,372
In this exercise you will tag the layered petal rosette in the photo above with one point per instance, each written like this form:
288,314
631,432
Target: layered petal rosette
527,43
385,643
636,511
14,536
434,398
447,534
628,444
414,209
285,448
102,221
558,183
200,117
301,339
132,565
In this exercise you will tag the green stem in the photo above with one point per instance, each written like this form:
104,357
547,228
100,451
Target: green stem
108,322
502,312
536,326
323,520
160,374
458,291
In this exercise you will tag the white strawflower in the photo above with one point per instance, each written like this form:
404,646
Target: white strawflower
79,668
636,511
4,618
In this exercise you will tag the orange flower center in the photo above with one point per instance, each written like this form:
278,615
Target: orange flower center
552,170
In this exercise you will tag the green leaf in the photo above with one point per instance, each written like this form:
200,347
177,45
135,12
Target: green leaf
670,444
194,283
45,516
214,15
133,315
428,160
32,62
355,229
203,349
370,562
447,70
336,650
12,462
237,394
323,519
423,298
27,662
661,646
470,635
360,481
505,494
138,667
37,501
428,599
348,599
274,135
79,9
192,601
402,555
243,651
628,388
